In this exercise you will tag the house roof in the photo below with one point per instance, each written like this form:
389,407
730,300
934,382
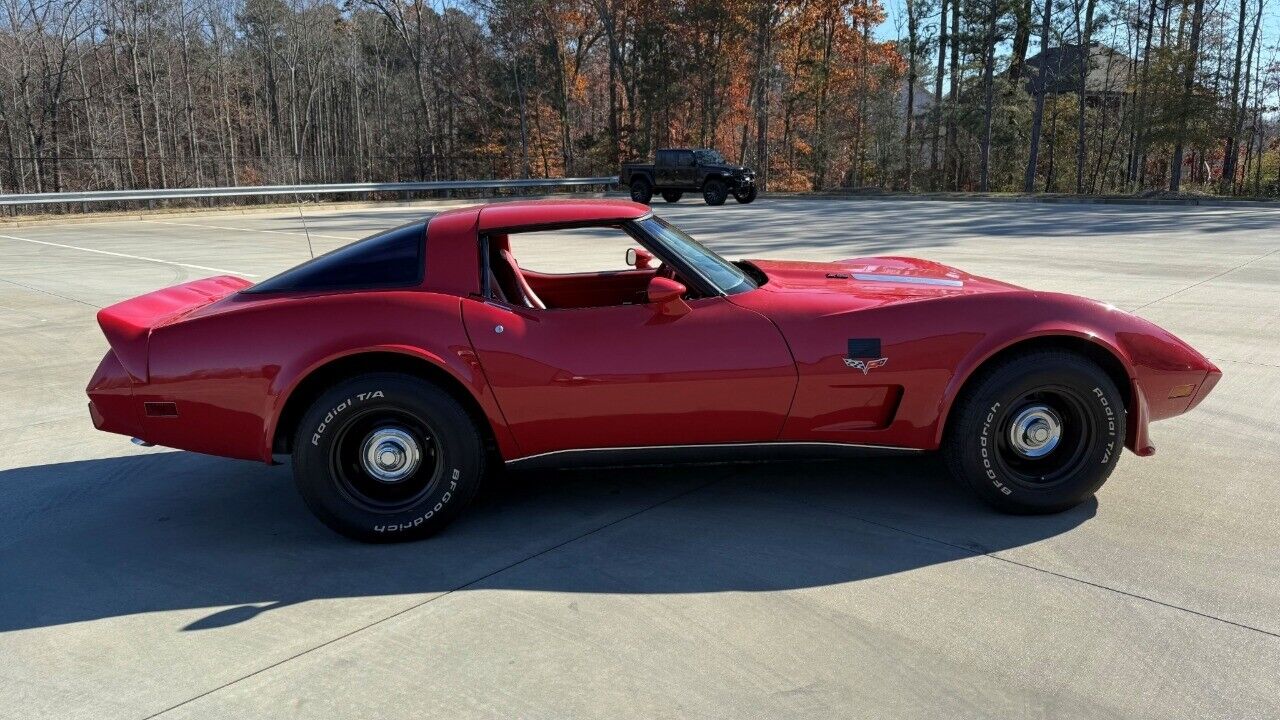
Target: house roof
1108,70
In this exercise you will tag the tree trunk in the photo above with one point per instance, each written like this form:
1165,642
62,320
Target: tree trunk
1021,39
1086,64
1188,83
1139,155
988,98
766,19
910,120
937,96
1037,118
524,133
1232,150
953,140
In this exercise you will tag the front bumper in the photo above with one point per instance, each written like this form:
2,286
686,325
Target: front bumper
1211,379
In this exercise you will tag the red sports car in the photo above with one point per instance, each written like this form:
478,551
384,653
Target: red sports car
401,369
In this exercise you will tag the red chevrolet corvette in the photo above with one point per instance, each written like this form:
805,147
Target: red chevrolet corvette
399,370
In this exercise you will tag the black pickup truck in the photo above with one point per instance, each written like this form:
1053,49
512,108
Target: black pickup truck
677,170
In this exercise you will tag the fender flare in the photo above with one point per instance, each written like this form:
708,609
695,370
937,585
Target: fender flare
983,352
465,372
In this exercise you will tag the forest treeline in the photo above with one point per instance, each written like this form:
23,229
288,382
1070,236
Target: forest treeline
1133,95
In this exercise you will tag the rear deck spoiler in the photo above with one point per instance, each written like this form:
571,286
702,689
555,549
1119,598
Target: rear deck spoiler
128,324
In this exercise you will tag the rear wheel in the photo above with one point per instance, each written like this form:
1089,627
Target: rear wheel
641,191
714,192
745,195
1039,433
387,457
672,196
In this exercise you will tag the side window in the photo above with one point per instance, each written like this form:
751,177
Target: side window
389,259
686,159
664,158
573,250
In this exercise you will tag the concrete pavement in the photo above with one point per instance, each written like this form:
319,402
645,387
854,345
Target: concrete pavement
141,582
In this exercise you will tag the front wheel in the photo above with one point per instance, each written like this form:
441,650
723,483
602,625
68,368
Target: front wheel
745,195
641,191
386,457
1039,433
714,192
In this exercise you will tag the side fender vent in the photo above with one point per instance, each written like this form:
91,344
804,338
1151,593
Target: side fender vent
160,409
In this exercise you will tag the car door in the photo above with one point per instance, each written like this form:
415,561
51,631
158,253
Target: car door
630,376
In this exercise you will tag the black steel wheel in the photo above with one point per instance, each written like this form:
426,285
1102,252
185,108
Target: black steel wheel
745,195
641,190
714,192
1038,433
386,457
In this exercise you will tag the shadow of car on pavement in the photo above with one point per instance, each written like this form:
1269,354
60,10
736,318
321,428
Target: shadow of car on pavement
175,530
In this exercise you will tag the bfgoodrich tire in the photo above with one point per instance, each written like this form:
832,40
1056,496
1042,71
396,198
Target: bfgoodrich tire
1039,433
387,457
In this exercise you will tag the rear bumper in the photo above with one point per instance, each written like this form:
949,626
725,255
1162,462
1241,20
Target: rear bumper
112,406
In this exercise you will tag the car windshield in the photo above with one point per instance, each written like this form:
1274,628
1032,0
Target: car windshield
726,276
710,157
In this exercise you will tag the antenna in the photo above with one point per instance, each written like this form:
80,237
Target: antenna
297,197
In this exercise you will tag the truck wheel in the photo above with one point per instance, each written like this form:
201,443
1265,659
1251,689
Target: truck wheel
387,457
745,196
672,196
714,192
1039,433
641,191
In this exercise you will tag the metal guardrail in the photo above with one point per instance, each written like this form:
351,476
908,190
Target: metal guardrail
264,190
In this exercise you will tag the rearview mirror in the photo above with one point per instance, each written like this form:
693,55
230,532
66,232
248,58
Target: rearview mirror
639,258
668,296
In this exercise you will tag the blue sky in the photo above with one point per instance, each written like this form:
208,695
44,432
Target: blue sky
895,17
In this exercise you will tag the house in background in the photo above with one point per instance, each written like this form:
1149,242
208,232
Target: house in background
922,108
922,103
1057,70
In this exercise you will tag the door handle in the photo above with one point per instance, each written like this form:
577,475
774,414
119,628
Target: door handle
564,377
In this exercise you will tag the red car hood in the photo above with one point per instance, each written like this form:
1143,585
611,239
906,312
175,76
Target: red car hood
875,281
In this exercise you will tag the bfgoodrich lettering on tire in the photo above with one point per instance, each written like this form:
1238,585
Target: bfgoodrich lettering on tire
386,457
1038,433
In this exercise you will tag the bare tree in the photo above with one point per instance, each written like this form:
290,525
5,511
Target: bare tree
1189,77
1040,84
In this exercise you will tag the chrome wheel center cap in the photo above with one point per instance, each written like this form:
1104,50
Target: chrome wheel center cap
1035,431
390,455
